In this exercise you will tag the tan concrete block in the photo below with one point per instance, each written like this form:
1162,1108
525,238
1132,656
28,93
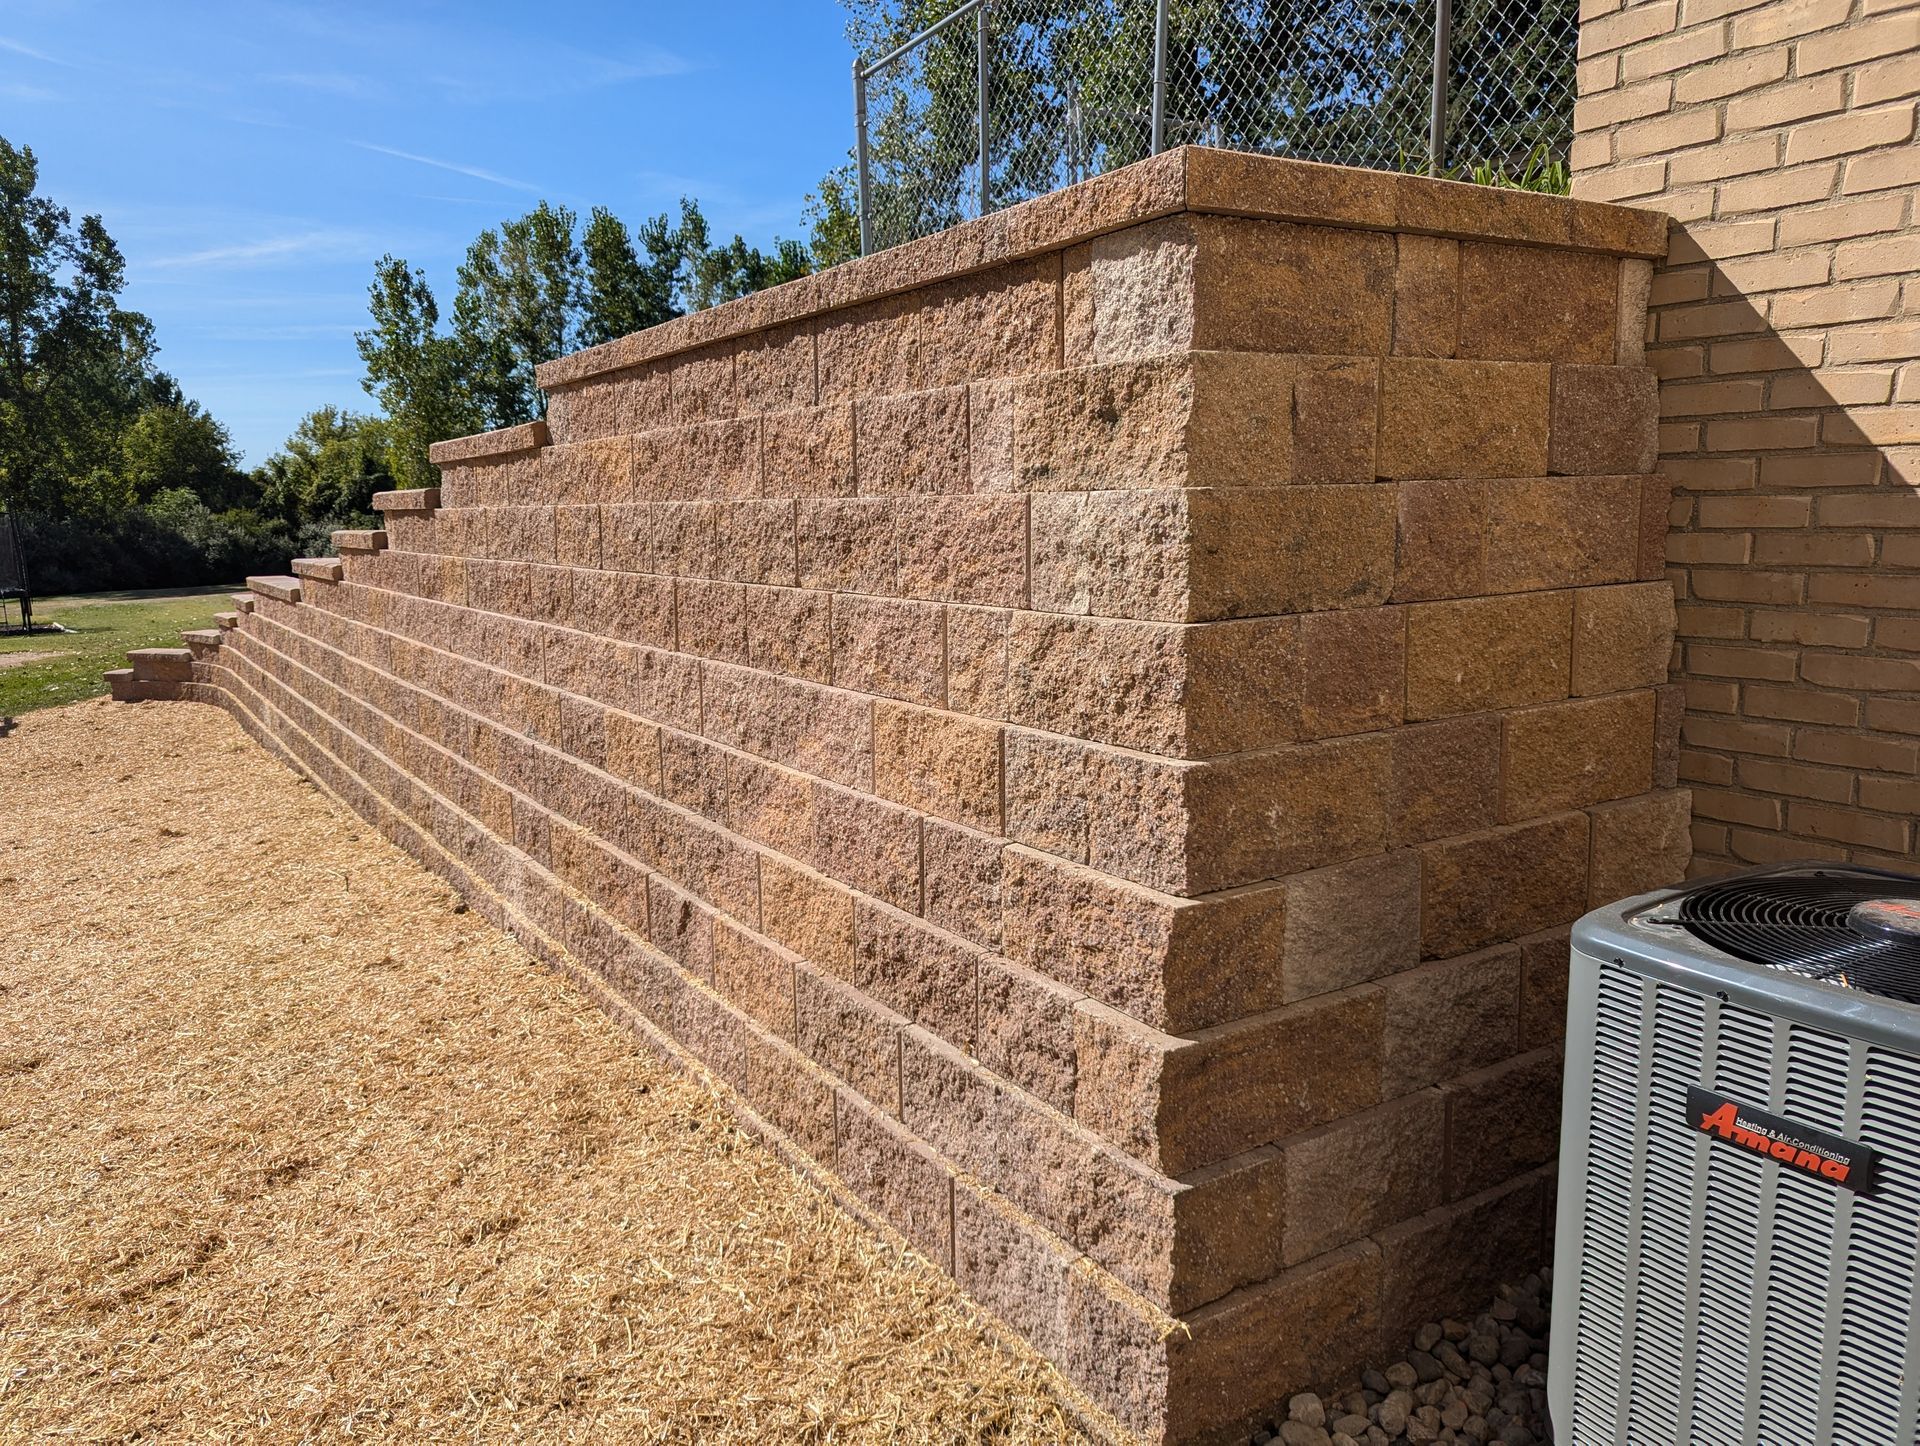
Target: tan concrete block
1292,549
1026,1031
896,1175
1049,788
774,370
1351,924
873,349
701,383
925,975
809,452
1336,416
993,323
1076,305
939,764
712,619
1568,755
755,976
807,913
1604,420
1622,637
614,404
1359,1174
1426,292
790,1094
1263,286
848,545
1554,532
1442,418
1442,539
915,442
1480,653
1269,814
1316,1325
962,882
1502,1121
771,806
849,1036
1499,885
889,647
1196,419
1451,1259
1640,844
789,631
1446,1018
1141,290
1115,554
871,845
1544,961
1175,964
1530,303
1353,671
964,549
977,661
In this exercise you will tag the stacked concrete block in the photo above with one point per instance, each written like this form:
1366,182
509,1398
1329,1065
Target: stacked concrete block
1094,725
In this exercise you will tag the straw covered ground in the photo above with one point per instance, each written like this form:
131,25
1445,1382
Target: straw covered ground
293,1148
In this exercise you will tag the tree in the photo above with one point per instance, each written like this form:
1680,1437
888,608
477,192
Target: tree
329,469
516,307
74,366
415,371
833,218
619,293
175,444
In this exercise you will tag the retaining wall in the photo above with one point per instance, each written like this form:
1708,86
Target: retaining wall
1094,724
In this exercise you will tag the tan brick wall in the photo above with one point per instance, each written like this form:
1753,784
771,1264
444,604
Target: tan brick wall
1095,725
1779,135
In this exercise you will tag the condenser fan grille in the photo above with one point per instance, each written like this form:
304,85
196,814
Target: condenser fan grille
1855,927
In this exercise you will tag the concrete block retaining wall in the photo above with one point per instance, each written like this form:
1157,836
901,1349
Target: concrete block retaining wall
1094,724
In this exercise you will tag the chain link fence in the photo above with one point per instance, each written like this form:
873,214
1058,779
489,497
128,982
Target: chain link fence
996,101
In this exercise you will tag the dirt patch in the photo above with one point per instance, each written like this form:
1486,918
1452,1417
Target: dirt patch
20,660
291,1150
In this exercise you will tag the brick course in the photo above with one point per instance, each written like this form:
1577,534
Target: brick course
1782,332
1093,725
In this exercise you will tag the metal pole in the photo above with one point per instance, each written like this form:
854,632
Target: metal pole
1442,62
986,159
1159,76
860,151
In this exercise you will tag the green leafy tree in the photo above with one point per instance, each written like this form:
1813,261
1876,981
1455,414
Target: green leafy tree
516,307
177,445
329,469
414,370
74,365
832,215
620,293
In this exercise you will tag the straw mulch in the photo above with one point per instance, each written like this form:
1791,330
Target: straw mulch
294,1148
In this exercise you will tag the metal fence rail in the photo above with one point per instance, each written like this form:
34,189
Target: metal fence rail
999,100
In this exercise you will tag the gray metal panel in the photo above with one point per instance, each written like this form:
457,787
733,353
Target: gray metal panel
1702,1293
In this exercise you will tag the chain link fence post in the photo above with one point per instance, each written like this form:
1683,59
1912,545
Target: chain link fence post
986,148
1159,137
1442,62
860,150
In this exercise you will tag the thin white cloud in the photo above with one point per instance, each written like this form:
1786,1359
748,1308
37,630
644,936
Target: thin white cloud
27,92
268,248
328,82
459,170
40,55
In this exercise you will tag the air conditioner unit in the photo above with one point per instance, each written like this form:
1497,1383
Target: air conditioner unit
1739,1206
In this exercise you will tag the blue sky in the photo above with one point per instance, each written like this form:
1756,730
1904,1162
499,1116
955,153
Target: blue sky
254,159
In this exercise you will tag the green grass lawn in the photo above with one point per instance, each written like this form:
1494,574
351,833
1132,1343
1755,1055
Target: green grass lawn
104,625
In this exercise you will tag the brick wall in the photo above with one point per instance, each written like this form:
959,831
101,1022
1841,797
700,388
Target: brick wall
1094,724
1779,135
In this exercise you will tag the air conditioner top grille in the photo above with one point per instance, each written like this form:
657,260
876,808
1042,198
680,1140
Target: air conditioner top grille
1851,926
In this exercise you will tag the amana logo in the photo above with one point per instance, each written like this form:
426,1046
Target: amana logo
1796,1147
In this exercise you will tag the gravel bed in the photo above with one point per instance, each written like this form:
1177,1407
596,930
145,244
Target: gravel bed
1464,1383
